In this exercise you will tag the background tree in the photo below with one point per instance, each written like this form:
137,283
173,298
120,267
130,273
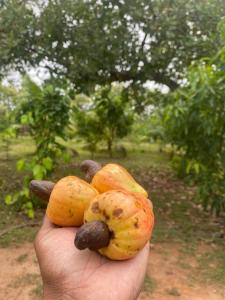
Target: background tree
99,42
195,122
46,111
8,127
89,128
108,118
17,33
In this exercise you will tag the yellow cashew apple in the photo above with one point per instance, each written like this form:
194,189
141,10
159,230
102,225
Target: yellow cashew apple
114,176
117,224
68,200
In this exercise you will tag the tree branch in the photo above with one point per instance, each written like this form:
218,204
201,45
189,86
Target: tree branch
143,43
142,76
18,227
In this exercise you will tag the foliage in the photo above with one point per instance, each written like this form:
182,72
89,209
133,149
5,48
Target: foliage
8,128
46,111
195,122
89,128
109,117
16,34
99,42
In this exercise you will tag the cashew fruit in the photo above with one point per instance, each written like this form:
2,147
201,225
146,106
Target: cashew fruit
129,219
111,177
68,201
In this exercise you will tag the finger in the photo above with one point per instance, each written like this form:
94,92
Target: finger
46,227
47,224
141,259
146,249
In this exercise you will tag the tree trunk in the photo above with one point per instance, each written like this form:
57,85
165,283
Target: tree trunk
7,151
109,146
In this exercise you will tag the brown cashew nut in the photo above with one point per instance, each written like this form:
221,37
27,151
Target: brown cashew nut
93,235
42,188
90,168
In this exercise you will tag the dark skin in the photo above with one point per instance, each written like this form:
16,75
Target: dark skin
69,273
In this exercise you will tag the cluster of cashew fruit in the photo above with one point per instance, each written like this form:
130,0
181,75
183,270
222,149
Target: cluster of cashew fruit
114,214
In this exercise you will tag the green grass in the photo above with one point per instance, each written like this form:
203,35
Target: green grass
149,285
37,292
21,147
22,258
27,279
173,292
212,266
18,236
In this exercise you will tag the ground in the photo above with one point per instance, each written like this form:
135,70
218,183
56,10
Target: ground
166,277
186,260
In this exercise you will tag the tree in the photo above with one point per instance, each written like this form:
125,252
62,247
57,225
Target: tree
17,33
195,122
99,42
8,127
89,128
114,113
46,111
108,118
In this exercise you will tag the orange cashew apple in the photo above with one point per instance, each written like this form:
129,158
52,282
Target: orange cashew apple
68,200
117,224
110,177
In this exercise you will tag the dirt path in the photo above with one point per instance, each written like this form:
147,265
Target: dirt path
166,278
19,276
171,279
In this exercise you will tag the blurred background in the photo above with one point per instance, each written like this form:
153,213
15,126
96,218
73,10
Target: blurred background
137,82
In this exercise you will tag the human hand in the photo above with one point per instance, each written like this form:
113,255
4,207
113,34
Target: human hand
69,273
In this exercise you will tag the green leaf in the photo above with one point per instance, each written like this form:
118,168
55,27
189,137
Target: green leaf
24,119
39,172
196,168
189,166
20,165
8,199
67,157
29,204
25,192
11,132
30,213
48,163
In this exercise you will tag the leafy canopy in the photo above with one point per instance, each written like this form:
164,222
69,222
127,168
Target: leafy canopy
45,110
97,42
195,122
108,118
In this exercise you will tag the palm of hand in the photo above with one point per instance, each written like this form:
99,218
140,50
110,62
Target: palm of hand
86,274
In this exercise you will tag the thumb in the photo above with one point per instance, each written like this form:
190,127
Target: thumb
47,224
46,227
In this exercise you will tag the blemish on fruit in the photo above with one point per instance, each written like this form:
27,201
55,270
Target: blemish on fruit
95,207
107,217
112,234
117,212
136,225
70,213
